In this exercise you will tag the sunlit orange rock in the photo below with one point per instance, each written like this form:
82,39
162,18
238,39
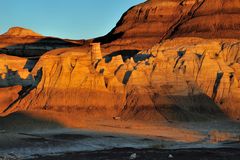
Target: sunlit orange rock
180,79
7,96
21,32
69,82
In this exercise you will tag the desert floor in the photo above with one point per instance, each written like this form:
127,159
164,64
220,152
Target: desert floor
51,135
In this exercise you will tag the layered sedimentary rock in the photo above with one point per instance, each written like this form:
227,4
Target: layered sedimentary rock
26,43
180,79
199,66
149,23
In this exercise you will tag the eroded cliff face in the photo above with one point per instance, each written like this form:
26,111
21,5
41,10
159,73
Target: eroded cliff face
180,79
70,82
210,66
146,24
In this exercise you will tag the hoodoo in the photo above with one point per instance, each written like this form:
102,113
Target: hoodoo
96,53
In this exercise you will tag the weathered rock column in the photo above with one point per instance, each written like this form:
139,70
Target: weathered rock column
96,53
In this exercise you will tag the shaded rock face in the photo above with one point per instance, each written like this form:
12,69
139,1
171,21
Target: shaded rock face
181,79
23,42
149,23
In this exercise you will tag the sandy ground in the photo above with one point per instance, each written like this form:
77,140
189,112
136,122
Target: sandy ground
49,135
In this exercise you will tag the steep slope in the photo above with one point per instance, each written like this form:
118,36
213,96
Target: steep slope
181,79
148,23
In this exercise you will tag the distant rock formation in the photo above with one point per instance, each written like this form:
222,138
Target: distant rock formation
21,32
23,42
149,23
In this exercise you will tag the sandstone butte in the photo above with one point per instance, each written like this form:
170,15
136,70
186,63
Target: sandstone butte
187,66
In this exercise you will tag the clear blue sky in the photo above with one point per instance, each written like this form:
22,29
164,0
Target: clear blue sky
75,19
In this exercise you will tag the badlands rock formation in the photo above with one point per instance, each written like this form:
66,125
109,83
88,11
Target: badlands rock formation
71,82
181,79
149,23
188,67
